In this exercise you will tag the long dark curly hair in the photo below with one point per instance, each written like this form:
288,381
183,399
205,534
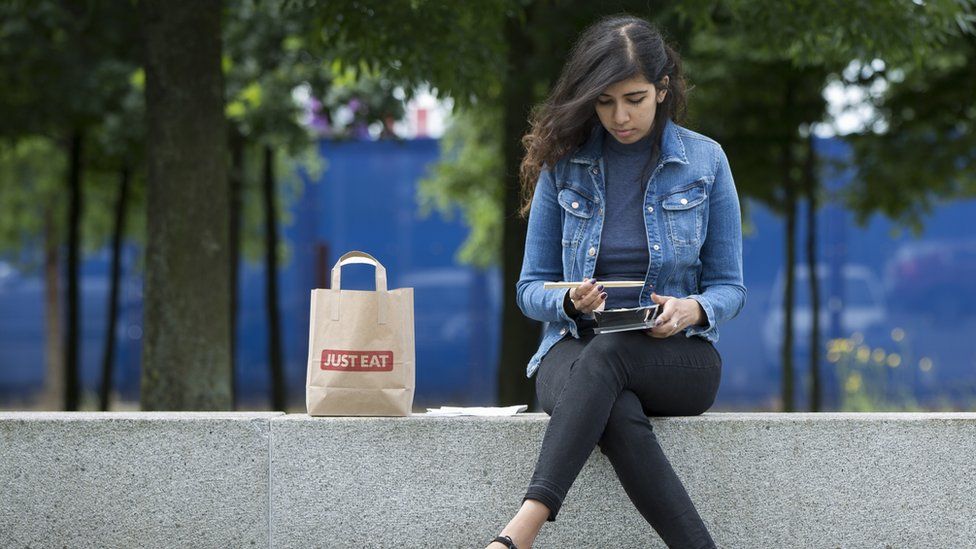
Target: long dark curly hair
614,48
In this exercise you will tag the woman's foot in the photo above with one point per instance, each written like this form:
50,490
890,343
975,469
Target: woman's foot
500,545
525,525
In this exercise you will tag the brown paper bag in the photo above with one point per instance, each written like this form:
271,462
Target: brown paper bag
360,348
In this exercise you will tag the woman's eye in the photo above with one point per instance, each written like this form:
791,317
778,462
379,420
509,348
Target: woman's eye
631,101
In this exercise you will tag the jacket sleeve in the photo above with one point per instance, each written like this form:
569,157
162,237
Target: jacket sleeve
723,293
542,260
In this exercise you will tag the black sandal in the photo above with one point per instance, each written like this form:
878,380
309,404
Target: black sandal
507,541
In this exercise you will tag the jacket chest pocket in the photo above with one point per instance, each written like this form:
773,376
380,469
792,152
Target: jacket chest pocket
578,210
685,213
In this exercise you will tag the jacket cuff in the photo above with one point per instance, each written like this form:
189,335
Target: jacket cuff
566,318
709,329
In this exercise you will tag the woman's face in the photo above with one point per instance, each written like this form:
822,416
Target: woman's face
626,108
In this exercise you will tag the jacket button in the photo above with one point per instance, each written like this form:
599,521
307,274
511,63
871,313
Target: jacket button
596,171
684,200
650,209
656,247
562,332
575,205
592,252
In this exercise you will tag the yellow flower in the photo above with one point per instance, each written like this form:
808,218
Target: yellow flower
863,353
878,355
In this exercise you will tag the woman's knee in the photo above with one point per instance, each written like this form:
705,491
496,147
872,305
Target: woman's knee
626,423
605,357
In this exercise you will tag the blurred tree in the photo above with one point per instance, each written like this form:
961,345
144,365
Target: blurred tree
919,146
186,360
32,218
467,179
48,47
456,47
773,112
264,64
117,152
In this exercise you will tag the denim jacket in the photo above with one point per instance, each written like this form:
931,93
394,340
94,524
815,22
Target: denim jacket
693,223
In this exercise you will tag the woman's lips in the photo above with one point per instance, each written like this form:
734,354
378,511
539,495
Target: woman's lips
623,133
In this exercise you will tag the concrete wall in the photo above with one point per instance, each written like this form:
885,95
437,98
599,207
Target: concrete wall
134,479
239,480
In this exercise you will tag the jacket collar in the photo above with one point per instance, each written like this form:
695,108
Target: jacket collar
672,147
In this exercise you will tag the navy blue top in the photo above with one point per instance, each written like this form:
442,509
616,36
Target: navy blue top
623,248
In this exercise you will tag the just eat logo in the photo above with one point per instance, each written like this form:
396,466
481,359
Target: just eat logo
357,361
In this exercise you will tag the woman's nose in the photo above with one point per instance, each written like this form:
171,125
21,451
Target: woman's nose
620,116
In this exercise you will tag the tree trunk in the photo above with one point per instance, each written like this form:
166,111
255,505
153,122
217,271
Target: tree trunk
186,347
54,369
236,182
278,396
811,180
72,390
520,335
108,353
789,203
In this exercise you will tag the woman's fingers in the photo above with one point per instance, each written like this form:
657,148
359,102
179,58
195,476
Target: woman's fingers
579,293
589,296
664,323
593,297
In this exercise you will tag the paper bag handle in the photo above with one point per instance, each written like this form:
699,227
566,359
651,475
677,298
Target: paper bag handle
359,257
364,258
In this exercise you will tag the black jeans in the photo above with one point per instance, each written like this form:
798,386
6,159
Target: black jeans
600,390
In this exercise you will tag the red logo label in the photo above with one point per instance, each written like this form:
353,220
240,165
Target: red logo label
357,361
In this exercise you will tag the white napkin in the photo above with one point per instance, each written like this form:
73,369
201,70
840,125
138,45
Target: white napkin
476,411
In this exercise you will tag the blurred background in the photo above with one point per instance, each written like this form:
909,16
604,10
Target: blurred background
393,127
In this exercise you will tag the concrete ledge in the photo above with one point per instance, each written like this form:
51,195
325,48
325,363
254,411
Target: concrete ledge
202,480
134,479
759,480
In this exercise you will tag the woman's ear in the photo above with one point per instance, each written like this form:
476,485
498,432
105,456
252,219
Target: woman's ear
663,89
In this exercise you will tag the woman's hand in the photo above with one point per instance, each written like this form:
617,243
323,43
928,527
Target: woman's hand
676,315
588,297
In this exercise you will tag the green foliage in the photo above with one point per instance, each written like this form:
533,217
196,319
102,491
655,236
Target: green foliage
67,67
65,63
30,188
812,32
364,100
456,46
920,148
755,104
264,62
470,178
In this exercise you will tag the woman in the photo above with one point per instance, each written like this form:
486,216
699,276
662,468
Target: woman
615,189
